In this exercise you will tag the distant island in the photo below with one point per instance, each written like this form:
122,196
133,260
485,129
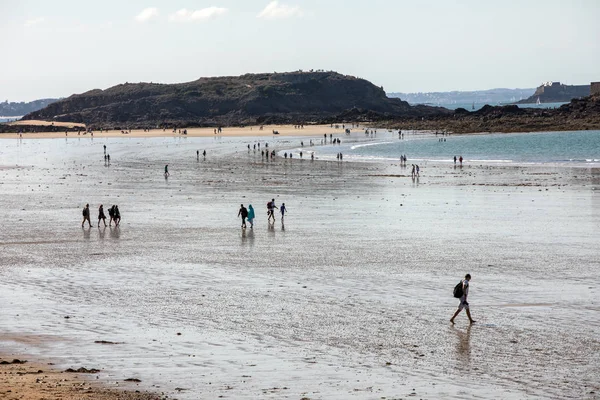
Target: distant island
251,99
456,99
14,109
291,98
579,114
556,92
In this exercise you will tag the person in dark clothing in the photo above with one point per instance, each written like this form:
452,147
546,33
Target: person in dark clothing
86,215
117,216
111,214
244,214
101,215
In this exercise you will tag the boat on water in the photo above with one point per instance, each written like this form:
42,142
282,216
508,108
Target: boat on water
538,102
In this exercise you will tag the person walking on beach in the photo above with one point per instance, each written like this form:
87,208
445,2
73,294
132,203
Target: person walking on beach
101,216
167,170
104,149
412,174
460,160
117,216
454,160
86,215
282,210
244,214
251,215
417,170
463,300
111,214
271,210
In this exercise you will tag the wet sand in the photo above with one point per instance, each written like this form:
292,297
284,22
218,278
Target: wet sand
350,298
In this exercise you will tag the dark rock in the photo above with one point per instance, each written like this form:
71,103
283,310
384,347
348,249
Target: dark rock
83,370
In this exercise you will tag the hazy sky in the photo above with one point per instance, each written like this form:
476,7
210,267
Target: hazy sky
57,48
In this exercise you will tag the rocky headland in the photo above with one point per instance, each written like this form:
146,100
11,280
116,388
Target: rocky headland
556,92
579,114
251,99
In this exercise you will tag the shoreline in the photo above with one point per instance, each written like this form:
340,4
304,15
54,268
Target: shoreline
21,378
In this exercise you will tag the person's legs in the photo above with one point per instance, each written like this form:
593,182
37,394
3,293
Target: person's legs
471,320
455,314
461,305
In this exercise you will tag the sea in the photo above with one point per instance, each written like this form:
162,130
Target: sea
478,106
9,119
569,148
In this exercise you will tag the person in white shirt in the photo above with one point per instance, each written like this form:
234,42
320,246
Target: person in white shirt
463,300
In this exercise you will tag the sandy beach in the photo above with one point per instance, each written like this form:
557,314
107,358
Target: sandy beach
255,131
348,298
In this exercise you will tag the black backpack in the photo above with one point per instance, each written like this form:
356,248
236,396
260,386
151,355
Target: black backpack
458,290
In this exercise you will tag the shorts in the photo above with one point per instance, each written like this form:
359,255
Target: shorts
463,304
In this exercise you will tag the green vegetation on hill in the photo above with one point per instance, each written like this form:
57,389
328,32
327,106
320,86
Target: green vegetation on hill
295,97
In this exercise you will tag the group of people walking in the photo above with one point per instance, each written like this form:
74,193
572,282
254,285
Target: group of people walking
415,171
113,212
248,213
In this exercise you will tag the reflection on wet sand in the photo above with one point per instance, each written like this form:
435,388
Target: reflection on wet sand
463,344
248,237
115,232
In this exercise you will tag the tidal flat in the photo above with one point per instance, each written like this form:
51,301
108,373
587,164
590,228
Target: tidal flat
349,297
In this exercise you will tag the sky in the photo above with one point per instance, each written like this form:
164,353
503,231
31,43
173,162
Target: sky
55,48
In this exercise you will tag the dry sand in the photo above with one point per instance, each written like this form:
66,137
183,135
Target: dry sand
350,298
267,131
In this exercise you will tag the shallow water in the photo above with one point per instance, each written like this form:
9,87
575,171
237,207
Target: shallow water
349,299
581,148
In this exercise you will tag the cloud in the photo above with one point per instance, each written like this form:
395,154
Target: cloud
147,14
276,11
34,21
185,15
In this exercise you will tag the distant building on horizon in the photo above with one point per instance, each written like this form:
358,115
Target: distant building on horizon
556,92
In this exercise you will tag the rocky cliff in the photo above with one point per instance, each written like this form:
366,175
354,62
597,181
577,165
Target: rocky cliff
555,92
297,97
579,114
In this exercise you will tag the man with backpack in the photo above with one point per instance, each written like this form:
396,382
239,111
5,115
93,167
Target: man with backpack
86,215
461,291
271,210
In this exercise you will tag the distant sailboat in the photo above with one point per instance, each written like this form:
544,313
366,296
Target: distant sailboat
538,101
473,106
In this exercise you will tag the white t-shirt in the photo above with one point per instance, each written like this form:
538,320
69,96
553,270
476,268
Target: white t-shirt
465,288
